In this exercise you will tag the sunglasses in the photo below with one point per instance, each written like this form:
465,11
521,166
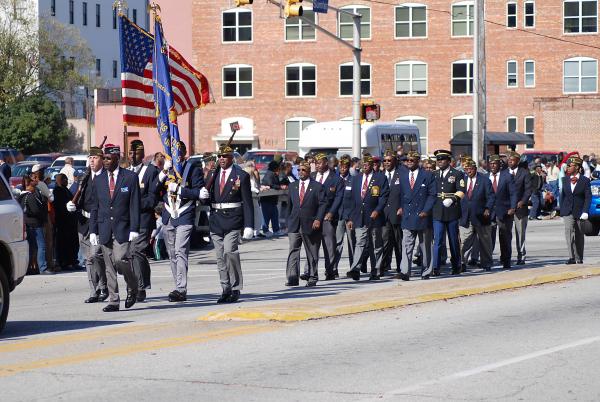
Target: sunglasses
388,160
107,158
223,155
304,170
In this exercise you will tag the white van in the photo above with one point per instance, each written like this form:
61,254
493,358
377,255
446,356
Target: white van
335,138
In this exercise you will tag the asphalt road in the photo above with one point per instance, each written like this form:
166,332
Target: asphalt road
537,343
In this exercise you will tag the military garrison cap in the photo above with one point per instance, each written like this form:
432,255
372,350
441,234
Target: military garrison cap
441,154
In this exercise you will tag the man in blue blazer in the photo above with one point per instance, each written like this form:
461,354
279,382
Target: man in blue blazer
522,179
391,231
417,196
114,223
575,200
505,194
370,191
178,217
307,206
477,207
342,230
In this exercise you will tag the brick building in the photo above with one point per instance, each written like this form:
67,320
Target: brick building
276,76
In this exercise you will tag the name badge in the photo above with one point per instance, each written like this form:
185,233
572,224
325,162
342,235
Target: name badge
348,188
124,189
397,181
141,185
375,191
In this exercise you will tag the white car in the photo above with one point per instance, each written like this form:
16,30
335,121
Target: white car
80,162
14,251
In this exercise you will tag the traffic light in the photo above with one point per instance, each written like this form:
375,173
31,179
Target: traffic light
292,8
369,111
239,3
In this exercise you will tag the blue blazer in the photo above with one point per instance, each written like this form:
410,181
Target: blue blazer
314,206
119,215
506,194
346,204
483,198
333,187
420,199
237,189
393,201
148,197
191,183
577,201
375,199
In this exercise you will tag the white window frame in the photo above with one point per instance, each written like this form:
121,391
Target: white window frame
516,120
300,81
525,74
411,79
525,15
580,60
300,121
410,6
300,27
516,15
237,12
352,8
467,117
469,78
369,80
469,18
515,74
579,17
411,120
237,81
532,134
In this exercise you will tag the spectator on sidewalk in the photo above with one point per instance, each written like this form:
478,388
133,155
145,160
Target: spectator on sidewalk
250,168
35,210
537,183
157,238
5,169
269,203
67,241
69,171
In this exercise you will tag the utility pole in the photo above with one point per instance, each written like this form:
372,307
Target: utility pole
479,77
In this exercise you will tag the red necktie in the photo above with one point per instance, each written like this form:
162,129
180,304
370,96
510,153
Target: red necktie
222,183
111,184
302,190
321,180
495,184
365,186
412,180
574,179
470,189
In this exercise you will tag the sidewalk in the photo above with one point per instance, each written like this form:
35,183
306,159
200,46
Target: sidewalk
397,293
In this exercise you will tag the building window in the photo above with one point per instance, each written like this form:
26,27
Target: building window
411,21
71,12
580,16
511,74
462,19
529,129
115,69
237,81
511,15
53,8
346,71
98,67
346,23
529,73
293,128
511,124
460,124
297,30
114,18
301,80
134,16
421,123
84,13
237,25
411,78
580,75
462,77
529,14
98,15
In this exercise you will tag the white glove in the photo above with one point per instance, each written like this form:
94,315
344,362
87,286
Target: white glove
94,239
71,207
248,234
204,195
162,176
168,164
584,216
447,202
172,187
133,236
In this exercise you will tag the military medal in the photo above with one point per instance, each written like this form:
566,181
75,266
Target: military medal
451,179
375,191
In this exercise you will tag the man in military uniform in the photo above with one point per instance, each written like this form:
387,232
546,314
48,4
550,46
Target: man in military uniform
178,217
333,187
522,180
392,232
94,261
114,223
231,211
147,179
344,167
369,195
446,210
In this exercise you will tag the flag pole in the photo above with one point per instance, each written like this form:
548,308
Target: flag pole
120,6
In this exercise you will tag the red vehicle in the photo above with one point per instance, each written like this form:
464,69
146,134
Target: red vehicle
23,169
262,157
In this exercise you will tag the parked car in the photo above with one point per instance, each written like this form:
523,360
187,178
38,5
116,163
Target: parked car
14,251
48,158
23,169
262,157
11,155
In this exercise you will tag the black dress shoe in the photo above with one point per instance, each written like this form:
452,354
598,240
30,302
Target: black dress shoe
234,297
437,272
424,277
141,295
131,299
336,273
473,263
418,261
91,299
579,261
311,283
402,276
304,277
374,277
457,270
224,298
488,269
110,308
103,295
353,274
520,262
363,269
330,277
291,283
177,296
570,261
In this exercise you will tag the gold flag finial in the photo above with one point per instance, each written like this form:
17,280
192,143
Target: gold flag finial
120,6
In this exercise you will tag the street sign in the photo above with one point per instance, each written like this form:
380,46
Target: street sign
320,6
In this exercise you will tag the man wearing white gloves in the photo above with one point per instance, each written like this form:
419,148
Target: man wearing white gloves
575,200
231,209
115,222
178,217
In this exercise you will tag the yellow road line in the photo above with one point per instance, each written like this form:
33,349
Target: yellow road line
124,350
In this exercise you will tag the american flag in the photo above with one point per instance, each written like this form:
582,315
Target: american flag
190,87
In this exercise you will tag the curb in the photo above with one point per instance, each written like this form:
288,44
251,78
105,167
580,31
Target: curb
289,313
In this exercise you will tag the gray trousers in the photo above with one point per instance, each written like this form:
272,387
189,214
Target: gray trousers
94,264
141,266
350,239
504,228
392,238
329,242
177,239
409,238
118,260
364,236
228,260
520,232
574,237
311,248
481,234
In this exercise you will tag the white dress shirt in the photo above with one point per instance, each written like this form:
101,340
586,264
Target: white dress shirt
227,173
469,180
306,182
574,184
115,175
323,175
389,174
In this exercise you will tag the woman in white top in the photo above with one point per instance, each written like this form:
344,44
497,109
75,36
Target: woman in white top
250,168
